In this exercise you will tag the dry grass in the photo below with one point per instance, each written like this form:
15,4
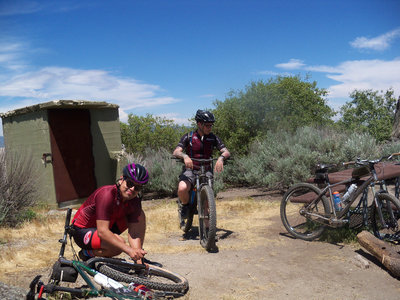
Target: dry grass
35,245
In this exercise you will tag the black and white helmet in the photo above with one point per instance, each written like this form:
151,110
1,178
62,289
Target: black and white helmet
204,116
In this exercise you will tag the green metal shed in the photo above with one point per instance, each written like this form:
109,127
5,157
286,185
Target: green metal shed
76,146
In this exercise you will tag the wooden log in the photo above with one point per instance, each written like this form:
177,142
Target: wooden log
383,251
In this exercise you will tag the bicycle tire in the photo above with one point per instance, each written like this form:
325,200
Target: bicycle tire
207,218
154,277
390,206
292,215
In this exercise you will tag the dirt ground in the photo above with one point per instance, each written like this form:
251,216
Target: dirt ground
280,267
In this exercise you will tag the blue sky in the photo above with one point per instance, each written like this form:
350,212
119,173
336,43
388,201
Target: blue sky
169,58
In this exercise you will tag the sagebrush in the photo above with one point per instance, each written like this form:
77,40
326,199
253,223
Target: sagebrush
164,171
18,188
274,161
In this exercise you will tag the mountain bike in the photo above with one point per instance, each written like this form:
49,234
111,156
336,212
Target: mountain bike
202,203
307,210
145,281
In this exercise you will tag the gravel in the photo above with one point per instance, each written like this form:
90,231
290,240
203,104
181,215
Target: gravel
11,293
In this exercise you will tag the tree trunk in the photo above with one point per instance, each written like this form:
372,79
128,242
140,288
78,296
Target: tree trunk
396,124
383,251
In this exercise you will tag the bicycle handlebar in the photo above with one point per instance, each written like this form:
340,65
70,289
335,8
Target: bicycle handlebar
365,162
201,160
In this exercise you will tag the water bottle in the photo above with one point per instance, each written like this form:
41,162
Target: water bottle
107,282
337,202
141,290
351,189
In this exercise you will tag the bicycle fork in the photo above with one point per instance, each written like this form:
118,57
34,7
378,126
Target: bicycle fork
379,205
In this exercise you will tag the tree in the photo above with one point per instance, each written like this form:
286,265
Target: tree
370,111
283,102
150,132
396,123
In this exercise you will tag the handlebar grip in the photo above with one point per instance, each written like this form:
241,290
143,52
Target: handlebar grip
68,217
348,163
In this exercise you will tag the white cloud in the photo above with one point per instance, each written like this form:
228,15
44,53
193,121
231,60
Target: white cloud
21,87
11,55
207,96
175,117
362,74
293,64
357,74
378,43
53,83
24,7
272,73
18,7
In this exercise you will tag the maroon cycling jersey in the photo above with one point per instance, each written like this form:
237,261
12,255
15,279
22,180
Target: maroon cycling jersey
104,204
200,147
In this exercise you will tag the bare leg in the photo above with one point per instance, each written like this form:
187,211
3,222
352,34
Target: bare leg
108,250
183,191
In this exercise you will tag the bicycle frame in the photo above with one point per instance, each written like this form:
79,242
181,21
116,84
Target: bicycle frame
370,182
201,180
109,287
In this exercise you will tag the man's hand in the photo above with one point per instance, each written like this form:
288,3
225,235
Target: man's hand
136,254
188,162
178,153
219,165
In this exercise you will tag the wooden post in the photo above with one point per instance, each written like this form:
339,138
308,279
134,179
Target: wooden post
383,251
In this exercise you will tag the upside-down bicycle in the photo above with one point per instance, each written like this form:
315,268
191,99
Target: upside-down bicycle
145,281
307,210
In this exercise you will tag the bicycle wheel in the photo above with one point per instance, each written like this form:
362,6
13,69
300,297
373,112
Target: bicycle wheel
295,211
390,207
207,218
186,224
155,278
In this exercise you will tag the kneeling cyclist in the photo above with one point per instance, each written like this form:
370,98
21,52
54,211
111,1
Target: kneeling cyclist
108,212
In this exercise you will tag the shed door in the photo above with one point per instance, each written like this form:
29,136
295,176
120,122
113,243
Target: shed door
71,147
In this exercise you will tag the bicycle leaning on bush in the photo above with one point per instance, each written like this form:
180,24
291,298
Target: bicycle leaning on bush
306,210
145,281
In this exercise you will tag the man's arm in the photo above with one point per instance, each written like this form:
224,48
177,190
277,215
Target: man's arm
108,237
178,153
219,165
136,231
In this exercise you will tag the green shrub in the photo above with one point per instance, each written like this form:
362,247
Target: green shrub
359,145
276,161
18,188
283,158
163,170
391,147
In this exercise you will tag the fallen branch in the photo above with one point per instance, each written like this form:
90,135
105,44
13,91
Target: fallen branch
384,252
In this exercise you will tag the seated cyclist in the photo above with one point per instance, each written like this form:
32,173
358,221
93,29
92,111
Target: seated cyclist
108,212
198,144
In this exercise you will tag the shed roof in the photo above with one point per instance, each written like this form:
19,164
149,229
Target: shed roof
84,104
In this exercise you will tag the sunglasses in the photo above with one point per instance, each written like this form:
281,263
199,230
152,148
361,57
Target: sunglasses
130,184
208,125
